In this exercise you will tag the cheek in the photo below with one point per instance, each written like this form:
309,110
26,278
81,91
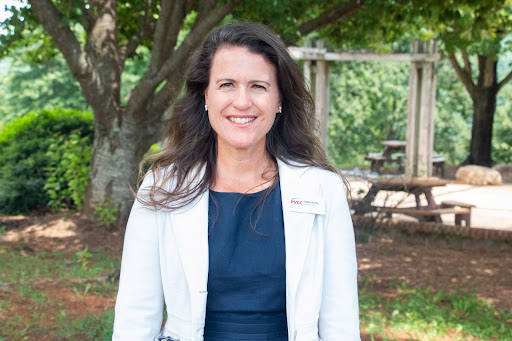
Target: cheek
214,120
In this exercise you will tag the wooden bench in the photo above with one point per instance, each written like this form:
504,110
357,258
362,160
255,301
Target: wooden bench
461,206
438,164
461,213
377,161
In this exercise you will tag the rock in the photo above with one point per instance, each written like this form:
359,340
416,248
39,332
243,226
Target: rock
505,171
478,175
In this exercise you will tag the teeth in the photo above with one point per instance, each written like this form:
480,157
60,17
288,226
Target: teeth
241,119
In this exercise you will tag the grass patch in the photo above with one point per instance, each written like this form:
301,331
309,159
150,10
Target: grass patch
69,309
21,267
56,296
427,315
88,327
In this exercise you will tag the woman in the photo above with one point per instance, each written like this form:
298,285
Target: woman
241,226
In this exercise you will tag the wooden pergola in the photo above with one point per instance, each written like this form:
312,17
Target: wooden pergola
422,93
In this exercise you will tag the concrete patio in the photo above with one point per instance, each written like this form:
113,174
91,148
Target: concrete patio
493,204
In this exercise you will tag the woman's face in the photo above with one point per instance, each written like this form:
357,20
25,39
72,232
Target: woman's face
242,97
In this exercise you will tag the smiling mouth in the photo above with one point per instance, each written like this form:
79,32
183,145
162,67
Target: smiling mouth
241,119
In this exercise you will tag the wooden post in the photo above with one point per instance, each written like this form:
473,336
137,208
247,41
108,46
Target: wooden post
322,99
420,120
308,64
317,72
307,74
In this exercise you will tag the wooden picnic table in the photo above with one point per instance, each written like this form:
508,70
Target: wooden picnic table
378,159
417,186
396,148
393,145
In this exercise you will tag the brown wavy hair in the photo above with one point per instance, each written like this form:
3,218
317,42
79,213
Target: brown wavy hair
191,143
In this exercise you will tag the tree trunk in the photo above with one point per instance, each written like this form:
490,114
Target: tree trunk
483,94
113,171
484,107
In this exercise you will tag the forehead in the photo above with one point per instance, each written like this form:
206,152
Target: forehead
237,60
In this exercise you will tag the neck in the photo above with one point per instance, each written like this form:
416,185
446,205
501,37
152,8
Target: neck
243,171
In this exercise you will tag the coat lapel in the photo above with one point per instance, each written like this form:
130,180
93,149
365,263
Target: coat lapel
191,230
190,226
297,225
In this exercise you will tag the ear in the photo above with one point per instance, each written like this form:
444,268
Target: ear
206,96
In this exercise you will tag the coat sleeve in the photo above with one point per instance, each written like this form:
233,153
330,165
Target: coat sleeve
339,311
139,305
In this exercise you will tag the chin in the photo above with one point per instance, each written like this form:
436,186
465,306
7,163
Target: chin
243,144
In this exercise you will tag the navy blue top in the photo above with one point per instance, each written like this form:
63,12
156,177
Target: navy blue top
247,276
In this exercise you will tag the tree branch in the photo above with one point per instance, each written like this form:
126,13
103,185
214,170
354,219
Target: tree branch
464,77
51,19
163,98
160,32
103,48
330,16
146,29
505,80
467,63
207,18
177,19
78,61
128,50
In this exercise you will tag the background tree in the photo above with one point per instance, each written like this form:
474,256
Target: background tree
479,31
96,38
471,34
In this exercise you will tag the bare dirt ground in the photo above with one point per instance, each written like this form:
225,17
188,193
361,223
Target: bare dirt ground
384,263
481,267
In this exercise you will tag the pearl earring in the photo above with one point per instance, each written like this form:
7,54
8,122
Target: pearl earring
280,109
206,108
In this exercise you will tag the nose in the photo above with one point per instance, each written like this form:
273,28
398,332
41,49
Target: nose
242,100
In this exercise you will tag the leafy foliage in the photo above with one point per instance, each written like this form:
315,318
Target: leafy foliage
453,114
24,143
502,138
369,105
68,169
106,212
26,86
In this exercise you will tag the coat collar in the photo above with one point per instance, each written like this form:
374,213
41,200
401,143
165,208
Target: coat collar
190,226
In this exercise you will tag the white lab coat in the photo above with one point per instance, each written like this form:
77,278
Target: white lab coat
165,260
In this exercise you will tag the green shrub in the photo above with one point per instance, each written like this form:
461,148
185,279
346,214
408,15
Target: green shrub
106,212
68,169
502,153
26,160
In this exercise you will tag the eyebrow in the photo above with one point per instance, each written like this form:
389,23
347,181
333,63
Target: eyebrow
233,81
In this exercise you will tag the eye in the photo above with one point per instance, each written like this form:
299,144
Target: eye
259,87
226,85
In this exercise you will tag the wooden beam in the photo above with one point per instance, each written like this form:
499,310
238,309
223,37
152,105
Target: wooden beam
312,53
